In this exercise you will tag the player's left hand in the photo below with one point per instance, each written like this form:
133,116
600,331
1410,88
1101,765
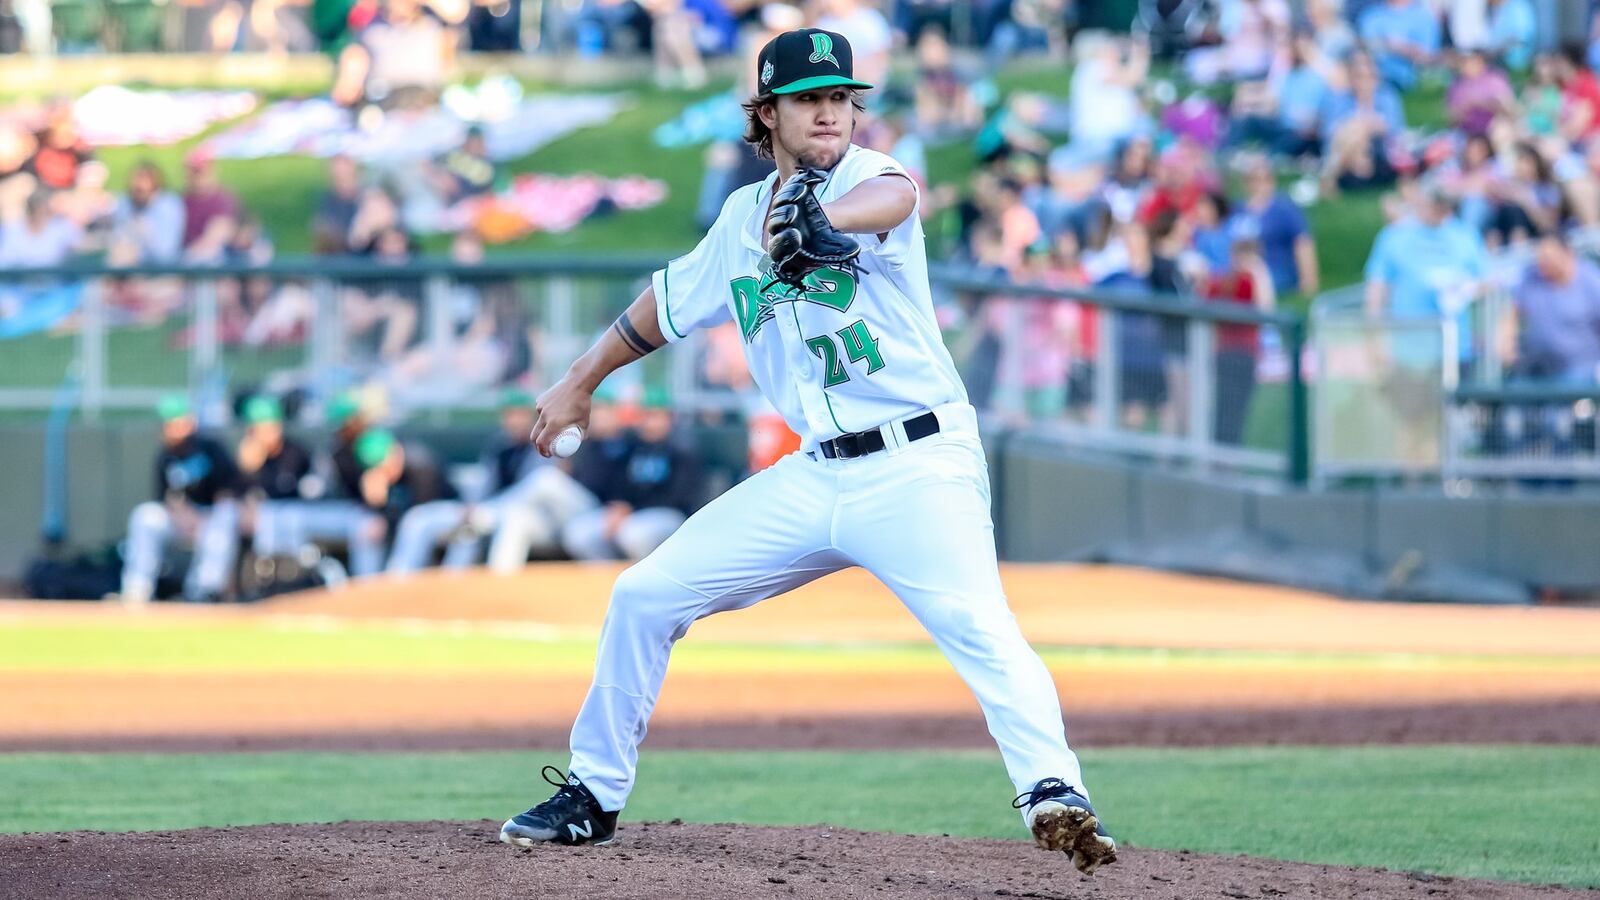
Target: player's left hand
565,403
801,239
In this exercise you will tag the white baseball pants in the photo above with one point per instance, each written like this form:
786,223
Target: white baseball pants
151,528
916,516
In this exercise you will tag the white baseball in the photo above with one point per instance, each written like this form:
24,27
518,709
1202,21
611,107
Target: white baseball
567,442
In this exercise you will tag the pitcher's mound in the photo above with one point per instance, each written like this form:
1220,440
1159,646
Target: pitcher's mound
702,862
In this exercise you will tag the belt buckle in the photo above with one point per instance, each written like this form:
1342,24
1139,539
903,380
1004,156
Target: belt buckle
847,446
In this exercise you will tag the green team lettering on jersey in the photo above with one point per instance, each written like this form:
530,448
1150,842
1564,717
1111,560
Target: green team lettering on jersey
826,287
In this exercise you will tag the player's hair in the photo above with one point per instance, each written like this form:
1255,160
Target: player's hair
756,132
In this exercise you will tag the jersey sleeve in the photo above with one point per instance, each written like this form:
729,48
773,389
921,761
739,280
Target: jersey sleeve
894,248
692,291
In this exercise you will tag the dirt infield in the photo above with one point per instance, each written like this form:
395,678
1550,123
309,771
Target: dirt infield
1572,722
707,862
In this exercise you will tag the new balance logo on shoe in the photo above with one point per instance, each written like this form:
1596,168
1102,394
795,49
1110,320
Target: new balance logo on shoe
587,831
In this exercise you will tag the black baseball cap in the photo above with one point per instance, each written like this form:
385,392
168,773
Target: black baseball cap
804,60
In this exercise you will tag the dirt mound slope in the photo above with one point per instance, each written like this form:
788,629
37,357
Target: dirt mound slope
1574,721
705,862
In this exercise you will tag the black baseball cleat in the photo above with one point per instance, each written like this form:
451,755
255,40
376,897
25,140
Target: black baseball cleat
1062,819
572,816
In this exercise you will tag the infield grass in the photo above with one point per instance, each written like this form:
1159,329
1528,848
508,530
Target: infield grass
1426,808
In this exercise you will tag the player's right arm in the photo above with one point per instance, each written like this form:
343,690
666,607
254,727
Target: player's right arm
690,292
633,335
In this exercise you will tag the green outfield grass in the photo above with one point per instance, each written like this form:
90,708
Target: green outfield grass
1514,813
317,645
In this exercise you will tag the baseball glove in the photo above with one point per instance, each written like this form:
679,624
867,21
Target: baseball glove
802,239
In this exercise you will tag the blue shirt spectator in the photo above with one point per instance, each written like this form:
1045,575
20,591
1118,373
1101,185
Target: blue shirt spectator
1400,34
147,224
1512,29
1300,98
1557,317
1277,224
1338,106
1426,267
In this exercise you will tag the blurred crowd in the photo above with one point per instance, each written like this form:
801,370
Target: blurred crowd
258,513
1192,178
1179,163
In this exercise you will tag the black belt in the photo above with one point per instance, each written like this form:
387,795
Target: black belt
860,443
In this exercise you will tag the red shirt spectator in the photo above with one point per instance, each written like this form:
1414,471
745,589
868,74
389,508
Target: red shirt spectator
1235,287
1580,104
61,151
211,212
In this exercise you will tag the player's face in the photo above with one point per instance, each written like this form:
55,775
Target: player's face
268,433
175,431
814,127
655,425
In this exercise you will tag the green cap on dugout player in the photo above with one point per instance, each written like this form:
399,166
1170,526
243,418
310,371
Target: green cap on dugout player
373,447
805,60
341,408
515,398
173,406
259,410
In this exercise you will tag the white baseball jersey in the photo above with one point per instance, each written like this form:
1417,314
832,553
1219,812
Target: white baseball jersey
845,355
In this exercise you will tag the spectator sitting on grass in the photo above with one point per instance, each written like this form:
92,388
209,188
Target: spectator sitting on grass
1580,98
1478,95
944,101
1470,178
464,172
1541,98
59,151
336,210
147,226
1333,35
1402,36
1513,28
1527,204
1104,99
1282,113
1251,31
1357,125
210,211
1131,175
40,239
1551,332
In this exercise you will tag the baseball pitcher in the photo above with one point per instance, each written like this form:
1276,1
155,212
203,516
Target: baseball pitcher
822,268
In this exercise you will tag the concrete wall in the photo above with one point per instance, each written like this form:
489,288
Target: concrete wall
1064,504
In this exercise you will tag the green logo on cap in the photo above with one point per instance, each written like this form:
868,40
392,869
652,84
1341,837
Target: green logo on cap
822,49
766,72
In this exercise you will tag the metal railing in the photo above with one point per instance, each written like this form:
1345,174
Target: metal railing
1433,397
1215,386
1211,385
